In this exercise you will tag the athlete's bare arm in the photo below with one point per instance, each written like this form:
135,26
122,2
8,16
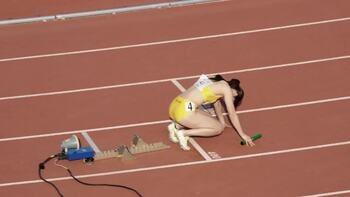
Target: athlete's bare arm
228,98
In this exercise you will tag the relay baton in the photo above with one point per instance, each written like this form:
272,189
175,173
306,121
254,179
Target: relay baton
254,137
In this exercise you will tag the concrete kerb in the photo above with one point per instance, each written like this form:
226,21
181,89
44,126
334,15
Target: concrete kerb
27,20
102,12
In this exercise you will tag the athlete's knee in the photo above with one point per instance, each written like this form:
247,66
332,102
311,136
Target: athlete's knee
219,128
222,127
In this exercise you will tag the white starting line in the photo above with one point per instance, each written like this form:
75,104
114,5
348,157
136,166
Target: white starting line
193,142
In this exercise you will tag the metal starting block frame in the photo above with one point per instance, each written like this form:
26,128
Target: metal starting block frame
127,153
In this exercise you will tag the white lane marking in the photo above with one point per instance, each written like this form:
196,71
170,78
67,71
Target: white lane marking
329,194
199,149
178,78
175,40
192,141
85,130
168,121
295,104
90,142
178,85
300,149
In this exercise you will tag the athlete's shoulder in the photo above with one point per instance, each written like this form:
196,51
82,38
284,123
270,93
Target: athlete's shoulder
220,84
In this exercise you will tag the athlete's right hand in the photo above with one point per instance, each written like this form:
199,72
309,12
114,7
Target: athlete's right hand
249,141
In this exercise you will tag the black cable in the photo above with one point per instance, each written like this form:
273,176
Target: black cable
42,167
109,185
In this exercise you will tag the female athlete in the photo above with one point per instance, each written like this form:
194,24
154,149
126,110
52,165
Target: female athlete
189,120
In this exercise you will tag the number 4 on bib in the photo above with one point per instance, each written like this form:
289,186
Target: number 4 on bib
190,106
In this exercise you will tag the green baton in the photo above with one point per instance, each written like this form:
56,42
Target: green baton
254,137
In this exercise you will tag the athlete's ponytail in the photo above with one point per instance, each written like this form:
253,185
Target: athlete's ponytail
217,78
234,84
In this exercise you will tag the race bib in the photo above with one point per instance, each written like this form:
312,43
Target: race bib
190,106
202,82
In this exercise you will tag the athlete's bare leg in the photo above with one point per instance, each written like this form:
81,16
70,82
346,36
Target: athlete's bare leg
201,124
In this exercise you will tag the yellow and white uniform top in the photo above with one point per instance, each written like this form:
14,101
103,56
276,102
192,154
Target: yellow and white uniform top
203,85
181,107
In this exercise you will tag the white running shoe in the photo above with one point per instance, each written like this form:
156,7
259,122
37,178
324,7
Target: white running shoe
182,139
172,136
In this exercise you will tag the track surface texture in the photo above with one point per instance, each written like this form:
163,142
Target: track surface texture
113,76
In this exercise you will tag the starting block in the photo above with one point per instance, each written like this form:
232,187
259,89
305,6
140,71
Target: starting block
127,153
139,146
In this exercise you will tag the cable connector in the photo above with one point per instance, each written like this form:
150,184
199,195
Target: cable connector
41,166
62,156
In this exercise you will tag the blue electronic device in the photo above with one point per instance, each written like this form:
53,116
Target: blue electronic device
81,153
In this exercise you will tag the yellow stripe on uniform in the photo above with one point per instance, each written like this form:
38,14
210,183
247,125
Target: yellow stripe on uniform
180,108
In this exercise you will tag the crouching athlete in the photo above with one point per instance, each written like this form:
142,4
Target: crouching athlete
189,120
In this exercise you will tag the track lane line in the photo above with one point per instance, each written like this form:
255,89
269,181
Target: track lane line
85,130
91,142
259,68
329,193
192,141
264,154
322,101
178,85
176,40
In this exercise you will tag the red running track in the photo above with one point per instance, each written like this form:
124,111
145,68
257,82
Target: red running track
304,146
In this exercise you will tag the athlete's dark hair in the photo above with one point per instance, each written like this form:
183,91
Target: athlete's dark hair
234,84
